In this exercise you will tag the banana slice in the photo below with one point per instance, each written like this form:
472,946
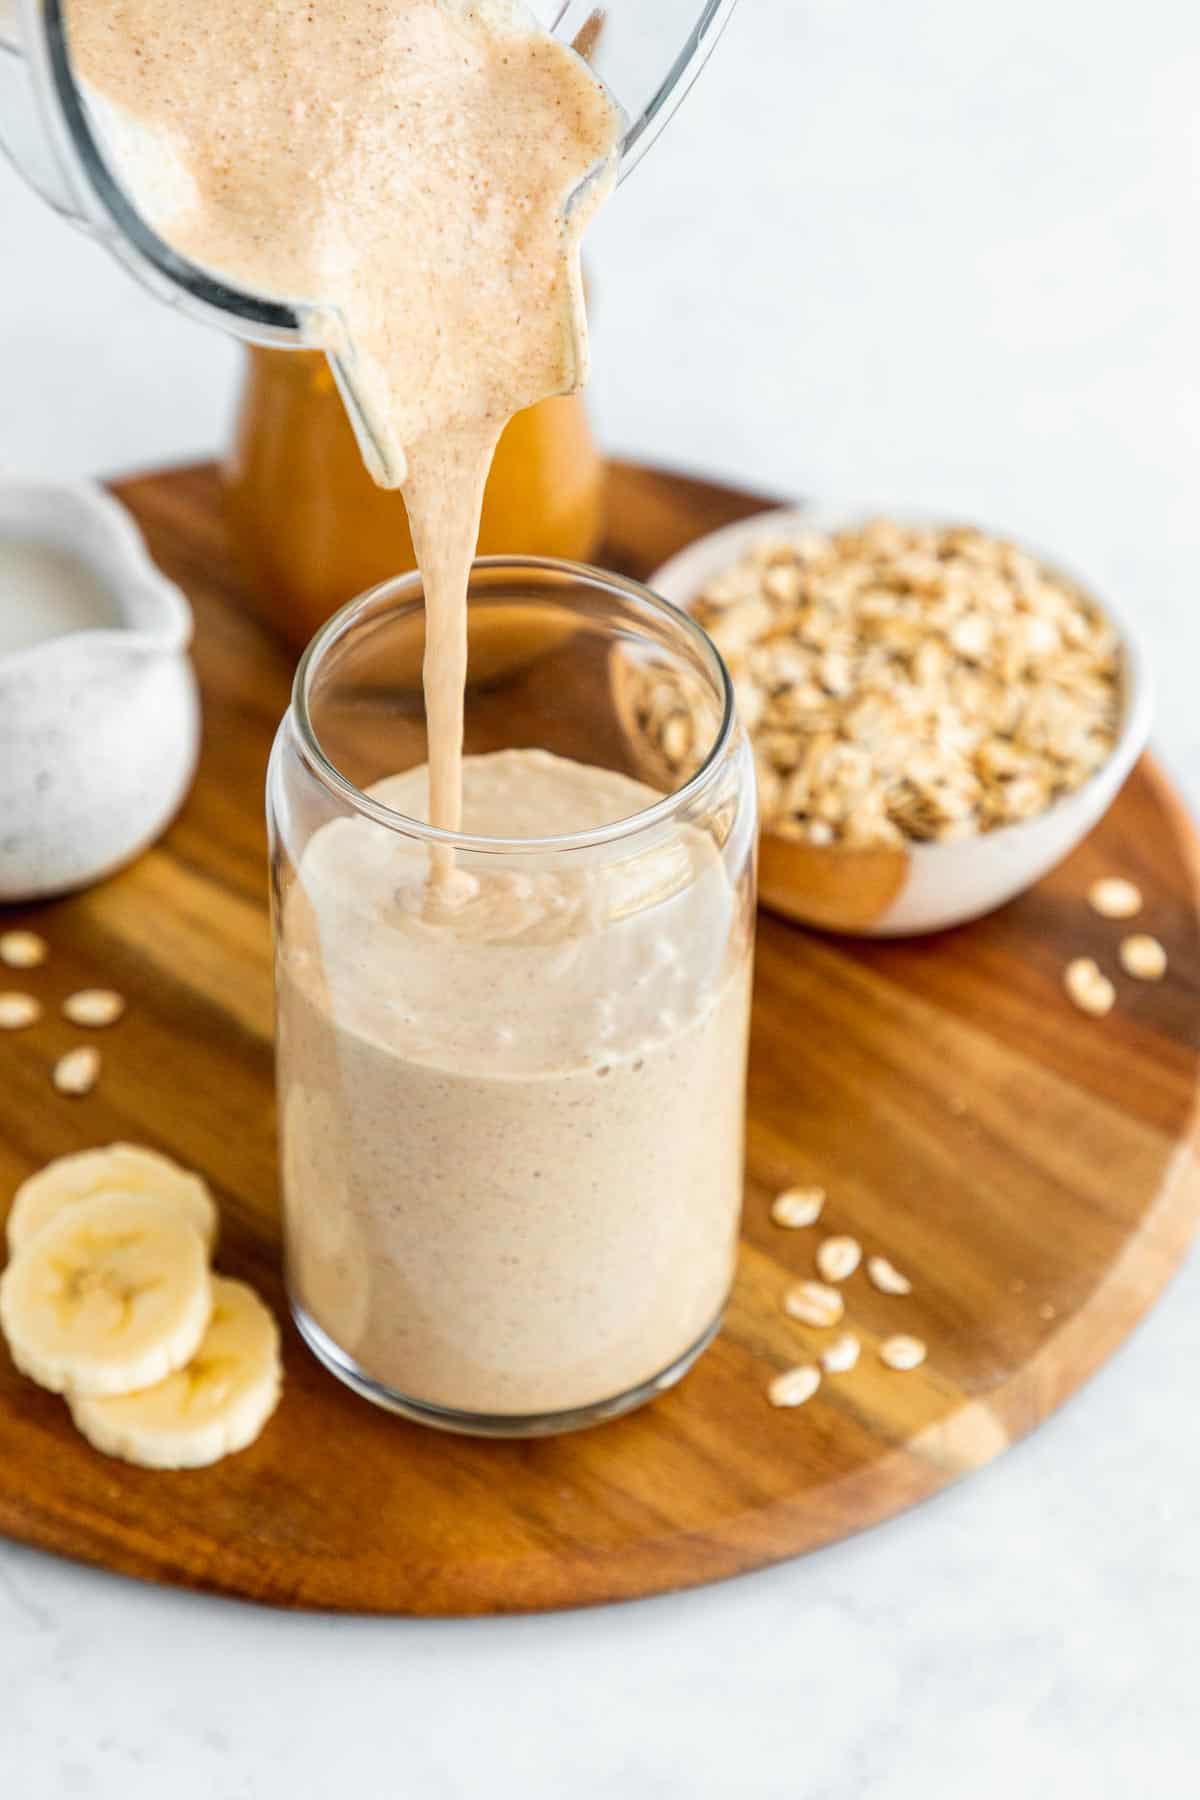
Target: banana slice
217,1403
120,1168
110,1296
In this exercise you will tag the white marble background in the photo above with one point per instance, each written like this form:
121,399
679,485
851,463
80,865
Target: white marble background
933,252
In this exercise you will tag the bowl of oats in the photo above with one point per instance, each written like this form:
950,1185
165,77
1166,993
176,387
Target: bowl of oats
938,714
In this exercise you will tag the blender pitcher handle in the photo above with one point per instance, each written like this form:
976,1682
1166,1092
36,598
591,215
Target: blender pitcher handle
24,137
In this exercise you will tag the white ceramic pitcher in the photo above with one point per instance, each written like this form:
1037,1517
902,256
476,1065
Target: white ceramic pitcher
99,728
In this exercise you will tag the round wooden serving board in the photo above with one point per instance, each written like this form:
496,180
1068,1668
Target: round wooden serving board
1031,1168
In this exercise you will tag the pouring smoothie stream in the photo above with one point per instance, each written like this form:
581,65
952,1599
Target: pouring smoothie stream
424,172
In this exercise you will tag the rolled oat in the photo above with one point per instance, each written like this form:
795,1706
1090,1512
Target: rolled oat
1089,987
840,1357
93,1006
838,1257
17,1011
795,1386
1143,957
814,1304
886,1276
22,949
902,1352
77,1072
1115,898
797,1207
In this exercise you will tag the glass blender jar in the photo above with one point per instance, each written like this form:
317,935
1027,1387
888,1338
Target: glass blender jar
309,524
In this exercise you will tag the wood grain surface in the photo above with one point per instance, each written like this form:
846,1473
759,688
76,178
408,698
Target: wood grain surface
1032,1170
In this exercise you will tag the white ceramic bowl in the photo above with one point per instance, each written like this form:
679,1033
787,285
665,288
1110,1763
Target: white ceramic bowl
99,728
923,886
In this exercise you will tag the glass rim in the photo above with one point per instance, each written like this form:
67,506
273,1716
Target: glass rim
409,586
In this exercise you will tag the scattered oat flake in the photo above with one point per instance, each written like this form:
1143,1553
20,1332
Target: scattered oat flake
814,1304
1143,957
1115,898
797,1207
1089,987
17,1011
887,1277
77,1072
795,1386
840,1356
93,1006
22,949
838,1257
1047,1311
902,1352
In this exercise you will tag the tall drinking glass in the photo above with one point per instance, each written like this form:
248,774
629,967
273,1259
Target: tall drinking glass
511,1107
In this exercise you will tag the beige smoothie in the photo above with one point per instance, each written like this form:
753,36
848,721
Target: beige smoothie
511,1101
513,1135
